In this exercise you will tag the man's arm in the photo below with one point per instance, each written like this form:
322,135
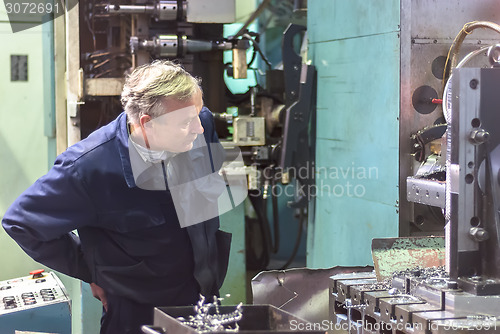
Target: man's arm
42,219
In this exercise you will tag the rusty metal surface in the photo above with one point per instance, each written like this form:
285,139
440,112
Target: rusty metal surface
398,254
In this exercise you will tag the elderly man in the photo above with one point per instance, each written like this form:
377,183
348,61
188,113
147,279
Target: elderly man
141,240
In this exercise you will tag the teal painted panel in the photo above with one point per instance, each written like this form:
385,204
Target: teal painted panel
91,310
235,283
358,96
52,318
329,20
356,50
344,172
344,229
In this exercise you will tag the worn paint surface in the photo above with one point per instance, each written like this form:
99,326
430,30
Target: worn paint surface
397,254
355,47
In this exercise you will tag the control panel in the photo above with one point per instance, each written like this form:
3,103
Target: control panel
36,290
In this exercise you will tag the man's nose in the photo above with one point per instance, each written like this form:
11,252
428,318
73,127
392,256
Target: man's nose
196,126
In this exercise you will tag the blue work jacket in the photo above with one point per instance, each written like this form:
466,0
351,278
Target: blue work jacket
128,239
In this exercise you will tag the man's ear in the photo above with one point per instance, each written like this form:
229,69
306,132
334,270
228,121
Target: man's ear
145,124
145,121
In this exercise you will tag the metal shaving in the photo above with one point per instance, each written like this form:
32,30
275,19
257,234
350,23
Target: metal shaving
430,276
205,320
382,285
418,275
423,274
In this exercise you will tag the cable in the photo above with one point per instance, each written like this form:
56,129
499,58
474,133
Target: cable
256,46
451,59
276,219
254,55
91,26
302,216
264,225
276,230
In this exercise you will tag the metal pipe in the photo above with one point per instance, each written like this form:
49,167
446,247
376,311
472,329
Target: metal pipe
129,9
452,59
161,10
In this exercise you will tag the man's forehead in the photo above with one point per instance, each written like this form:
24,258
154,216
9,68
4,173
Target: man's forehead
172,104
181,113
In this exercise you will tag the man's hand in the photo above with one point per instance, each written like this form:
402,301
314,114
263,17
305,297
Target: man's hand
100,294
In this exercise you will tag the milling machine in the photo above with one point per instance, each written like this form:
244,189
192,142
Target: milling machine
464,295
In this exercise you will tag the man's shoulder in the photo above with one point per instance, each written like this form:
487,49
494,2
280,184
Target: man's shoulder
101,141
207,121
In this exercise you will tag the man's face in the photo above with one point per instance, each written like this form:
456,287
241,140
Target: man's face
176,130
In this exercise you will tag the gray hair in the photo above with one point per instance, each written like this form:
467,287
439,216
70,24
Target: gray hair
147,87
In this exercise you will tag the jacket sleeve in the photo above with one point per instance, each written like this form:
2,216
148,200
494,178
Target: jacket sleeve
43,218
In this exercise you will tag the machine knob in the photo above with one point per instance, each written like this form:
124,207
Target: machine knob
37,273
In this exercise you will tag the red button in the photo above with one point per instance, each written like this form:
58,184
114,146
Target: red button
37,273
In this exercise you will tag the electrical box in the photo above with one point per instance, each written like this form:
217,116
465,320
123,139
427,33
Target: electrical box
36,303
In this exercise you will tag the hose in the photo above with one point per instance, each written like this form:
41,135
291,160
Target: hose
259,50
297,241
264,228
276,224
451,59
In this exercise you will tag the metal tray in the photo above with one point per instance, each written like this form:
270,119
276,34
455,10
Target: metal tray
256,319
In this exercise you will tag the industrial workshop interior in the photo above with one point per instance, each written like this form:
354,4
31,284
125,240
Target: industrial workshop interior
361,153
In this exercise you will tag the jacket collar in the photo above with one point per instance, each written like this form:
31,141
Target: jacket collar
123,146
